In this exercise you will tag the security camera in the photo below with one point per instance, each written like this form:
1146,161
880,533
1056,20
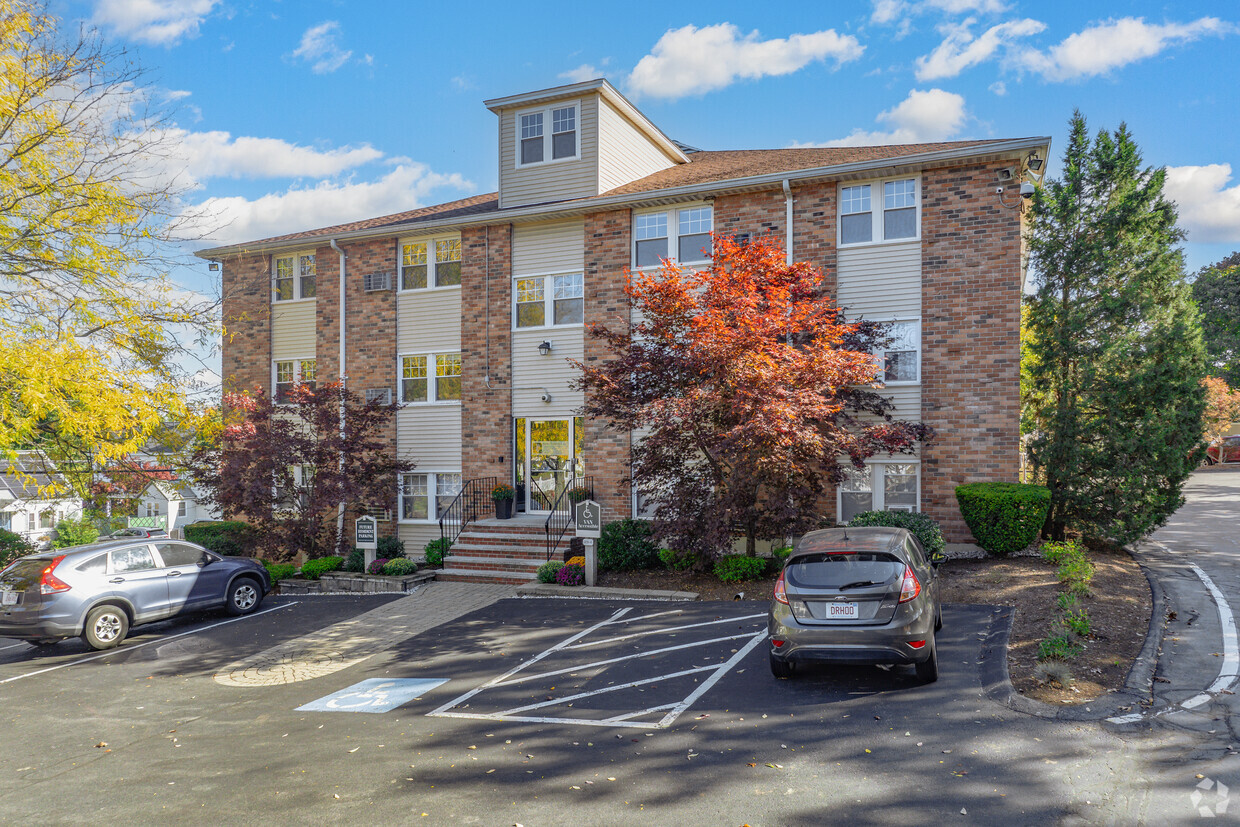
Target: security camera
546,397
1026,190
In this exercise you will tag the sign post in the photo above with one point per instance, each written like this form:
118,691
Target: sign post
589,518
366,537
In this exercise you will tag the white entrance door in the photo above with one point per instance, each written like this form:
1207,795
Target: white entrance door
549,462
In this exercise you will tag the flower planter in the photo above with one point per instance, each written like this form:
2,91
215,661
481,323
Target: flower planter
503,509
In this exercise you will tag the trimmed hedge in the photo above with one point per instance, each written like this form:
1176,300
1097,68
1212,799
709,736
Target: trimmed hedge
314,569
1003,516
737,568
231,538
399,567
626,545
919,525
548,570
279,571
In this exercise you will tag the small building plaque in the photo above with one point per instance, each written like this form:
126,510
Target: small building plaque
589,515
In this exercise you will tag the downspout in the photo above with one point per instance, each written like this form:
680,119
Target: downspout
788,220
487,302
344,384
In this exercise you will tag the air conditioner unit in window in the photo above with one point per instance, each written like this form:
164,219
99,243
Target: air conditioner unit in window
384,395
907,508
372,282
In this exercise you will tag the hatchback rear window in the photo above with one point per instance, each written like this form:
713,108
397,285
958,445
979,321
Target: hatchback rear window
23,574
830,571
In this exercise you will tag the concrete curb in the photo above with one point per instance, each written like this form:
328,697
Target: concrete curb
1138,686
599,593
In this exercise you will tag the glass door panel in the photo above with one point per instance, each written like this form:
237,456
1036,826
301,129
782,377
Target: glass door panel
549,456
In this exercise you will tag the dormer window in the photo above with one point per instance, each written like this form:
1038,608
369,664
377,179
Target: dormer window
548,134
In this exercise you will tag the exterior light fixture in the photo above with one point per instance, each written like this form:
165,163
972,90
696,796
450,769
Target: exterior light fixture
214,267
1033,161
544,349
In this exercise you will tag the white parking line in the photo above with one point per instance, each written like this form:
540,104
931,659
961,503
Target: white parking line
1230,670
664,631
13,646
161,639
606,689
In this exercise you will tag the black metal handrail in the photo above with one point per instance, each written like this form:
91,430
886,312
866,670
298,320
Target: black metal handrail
561,516
473,499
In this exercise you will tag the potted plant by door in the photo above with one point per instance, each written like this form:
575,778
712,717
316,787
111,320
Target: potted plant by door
503,496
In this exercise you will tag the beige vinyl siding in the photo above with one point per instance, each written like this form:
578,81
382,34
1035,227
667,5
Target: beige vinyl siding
907,399
428,320
882,281
541,249
532,372
624,153
292,330
415,537
553,180
430,435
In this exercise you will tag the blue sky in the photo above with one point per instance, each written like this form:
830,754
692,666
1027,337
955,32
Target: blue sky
308,113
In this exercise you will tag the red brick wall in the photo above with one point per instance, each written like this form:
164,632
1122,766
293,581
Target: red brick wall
486,412
246,359
971,289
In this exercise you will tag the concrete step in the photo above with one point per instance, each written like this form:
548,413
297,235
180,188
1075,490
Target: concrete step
497,563
516,551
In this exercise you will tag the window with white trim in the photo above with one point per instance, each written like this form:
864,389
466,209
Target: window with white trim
882,486
293,277
430,377
900,360
545,301
547,134
431,262
879,211
182,508
424,497
682,235
289,372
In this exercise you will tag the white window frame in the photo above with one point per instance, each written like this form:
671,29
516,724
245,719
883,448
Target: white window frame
673,215
877,470
877,210
432,380
548,287
298,366
880,356
432,495
432,263
297,263
548,126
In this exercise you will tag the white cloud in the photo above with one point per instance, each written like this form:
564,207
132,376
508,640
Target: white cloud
960,50
320,49
161,22
1209,209
998,87
405,187
922,117
582,73
218,155
898,11
689,60
1115,43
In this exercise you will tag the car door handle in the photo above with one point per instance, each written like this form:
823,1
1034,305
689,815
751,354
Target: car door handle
117,580
174,574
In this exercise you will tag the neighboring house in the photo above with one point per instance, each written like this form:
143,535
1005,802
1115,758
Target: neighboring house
467,312
170,505
26,507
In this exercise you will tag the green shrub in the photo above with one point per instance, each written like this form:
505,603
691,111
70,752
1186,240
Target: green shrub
231,538
1003,516
626,545
1055,553
12,546
436,550
921,526
677,560
355,562
314,569
1076,573
1077,621
389,547
399,567
737,568
1058,647
781,553
71,532
280,571
548,570
1067,601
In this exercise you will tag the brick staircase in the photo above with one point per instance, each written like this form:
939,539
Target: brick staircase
499,551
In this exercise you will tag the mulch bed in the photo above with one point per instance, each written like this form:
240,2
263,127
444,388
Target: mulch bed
1119,611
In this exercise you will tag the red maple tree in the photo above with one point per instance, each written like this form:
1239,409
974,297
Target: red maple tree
747,388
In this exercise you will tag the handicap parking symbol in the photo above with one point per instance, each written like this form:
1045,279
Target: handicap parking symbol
373,695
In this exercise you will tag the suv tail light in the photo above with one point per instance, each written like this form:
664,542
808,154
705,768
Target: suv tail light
781,595
910,588
50,583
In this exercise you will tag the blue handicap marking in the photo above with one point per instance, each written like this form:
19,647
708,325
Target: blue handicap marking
373,695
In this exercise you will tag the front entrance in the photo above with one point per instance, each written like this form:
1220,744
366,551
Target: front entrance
548,457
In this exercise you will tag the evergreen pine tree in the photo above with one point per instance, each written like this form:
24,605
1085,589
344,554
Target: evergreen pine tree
1116,340
1217,291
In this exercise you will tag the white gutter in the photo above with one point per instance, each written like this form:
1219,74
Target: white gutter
344,384
788,220
581,206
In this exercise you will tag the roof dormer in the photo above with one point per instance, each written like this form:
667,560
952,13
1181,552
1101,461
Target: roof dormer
574,142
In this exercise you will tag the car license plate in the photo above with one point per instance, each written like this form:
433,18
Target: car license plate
840,611
8,598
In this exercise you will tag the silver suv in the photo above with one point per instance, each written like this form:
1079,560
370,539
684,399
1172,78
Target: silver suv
99,591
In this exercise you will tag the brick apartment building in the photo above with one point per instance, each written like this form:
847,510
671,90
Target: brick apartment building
467,312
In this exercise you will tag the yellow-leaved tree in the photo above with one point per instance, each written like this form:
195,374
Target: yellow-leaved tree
91,328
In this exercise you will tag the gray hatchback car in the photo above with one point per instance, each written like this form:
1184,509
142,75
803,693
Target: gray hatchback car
99,591
856,596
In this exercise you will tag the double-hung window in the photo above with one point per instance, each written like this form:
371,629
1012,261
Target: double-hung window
882,486
901,357
430,377
294,277
426,496
879,211
543,301
548,134
432,262
291,372
682,235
